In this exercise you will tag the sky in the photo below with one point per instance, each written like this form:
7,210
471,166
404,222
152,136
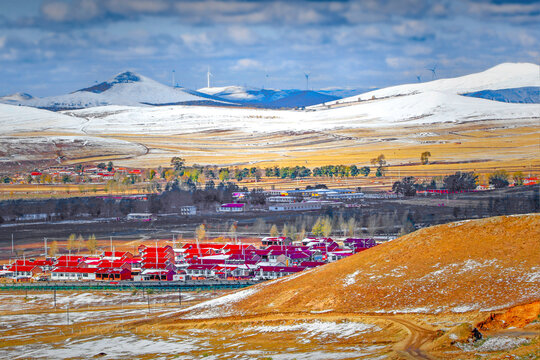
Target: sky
51,47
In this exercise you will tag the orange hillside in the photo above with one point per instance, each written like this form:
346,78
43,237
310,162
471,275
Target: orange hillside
481,265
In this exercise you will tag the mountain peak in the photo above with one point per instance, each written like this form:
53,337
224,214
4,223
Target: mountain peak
125,77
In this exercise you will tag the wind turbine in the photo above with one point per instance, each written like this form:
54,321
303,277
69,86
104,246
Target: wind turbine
433,74
173,78
418,78
306,74
208,74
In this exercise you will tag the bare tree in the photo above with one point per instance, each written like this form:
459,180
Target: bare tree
200,232
71,242
91,244
53,248
80,243
274,231
351,226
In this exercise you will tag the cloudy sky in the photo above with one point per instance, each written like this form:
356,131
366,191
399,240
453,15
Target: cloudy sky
49,47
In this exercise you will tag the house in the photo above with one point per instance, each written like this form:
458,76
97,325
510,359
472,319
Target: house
24,271
297,206
188,210
274,272
155,275
113,274
338,255
233,207
73,273
358,245
201,271
281,241
293,258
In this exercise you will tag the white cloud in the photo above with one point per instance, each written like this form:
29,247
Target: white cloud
410,28
241,35
56,11
245,64
2,41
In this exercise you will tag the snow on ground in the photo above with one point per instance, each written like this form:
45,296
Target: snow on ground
342,330
424,108
219,307
119,347
21,118
350,279
495,343
502,76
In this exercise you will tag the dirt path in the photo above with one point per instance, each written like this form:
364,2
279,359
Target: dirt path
410,348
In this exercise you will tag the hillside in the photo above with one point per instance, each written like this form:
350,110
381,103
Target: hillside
502,76
478,265
269,98
127,88
523,95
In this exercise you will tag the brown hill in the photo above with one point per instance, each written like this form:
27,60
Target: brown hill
483,265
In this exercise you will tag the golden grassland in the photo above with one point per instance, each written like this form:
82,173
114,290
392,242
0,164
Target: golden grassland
480,146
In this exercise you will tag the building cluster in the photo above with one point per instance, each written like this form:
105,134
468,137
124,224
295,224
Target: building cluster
86,173
276,257
297,200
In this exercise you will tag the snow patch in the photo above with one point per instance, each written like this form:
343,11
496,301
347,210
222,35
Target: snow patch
319,328
350,279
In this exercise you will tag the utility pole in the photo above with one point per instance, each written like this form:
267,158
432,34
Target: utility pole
12,247
45,241
55,298
180,296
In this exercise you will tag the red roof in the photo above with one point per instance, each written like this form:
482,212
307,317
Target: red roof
21,268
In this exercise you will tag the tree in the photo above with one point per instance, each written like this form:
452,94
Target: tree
232,231
274,231
317,228
53,248
177,163
351,226
259,225
71,242
365,170
499,179
380,162
518,178
405,187
326,227
460,181
200,232
285,230
424,158
110,166
91,244
80,243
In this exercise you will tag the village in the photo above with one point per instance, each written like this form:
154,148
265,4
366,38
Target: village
274,258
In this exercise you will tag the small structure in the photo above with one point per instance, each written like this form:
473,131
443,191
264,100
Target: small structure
141,217
188,210
233,207
73,273
280,241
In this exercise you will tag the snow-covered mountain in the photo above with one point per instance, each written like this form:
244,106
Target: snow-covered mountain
269,98
15,98
15,119
127,88
503,76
